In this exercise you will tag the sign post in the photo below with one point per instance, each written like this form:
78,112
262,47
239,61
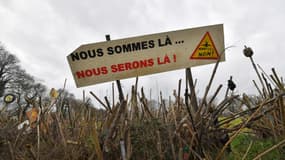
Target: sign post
137,56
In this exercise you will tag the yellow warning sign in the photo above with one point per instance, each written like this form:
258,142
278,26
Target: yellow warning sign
206,49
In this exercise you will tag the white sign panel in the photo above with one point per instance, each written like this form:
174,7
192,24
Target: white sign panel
124,58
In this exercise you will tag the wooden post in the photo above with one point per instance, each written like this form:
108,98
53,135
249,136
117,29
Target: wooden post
192,89
121,95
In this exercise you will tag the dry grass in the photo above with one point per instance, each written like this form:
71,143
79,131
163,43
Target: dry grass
134,129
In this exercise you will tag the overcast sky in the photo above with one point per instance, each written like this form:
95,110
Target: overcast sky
41,33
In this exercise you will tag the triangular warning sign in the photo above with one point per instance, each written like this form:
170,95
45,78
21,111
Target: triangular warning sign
206,49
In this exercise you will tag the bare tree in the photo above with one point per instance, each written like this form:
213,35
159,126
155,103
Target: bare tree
8,66
15,79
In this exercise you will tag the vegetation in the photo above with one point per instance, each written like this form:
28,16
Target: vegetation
13,78
244,143
59,126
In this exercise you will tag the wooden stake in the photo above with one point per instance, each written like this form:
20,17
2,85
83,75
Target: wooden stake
193,98
178,97
100,101
113,96
121,95
60,130
113,125
279,84
159,149
98,149
258,75
38,133
11,151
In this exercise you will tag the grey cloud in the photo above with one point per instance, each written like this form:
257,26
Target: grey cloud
43,33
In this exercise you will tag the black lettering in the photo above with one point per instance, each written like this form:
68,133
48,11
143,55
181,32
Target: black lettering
144,44
159,43
127,47
92,54
168,41
74,56
151,44
83,55
136,46
87,54
100,52
118,49
110,50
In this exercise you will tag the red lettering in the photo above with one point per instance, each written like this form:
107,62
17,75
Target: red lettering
104,70
166,59
143,63
96,71
88,73
132,65
91,72
114,68
80,74
128,66
136,64
150,62
121,67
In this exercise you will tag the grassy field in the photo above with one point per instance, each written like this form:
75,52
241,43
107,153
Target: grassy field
245,143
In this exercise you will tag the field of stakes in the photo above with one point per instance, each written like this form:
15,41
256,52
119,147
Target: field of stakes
239,127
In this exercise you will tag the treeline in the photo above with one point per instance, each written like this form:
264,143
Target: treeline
15,80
